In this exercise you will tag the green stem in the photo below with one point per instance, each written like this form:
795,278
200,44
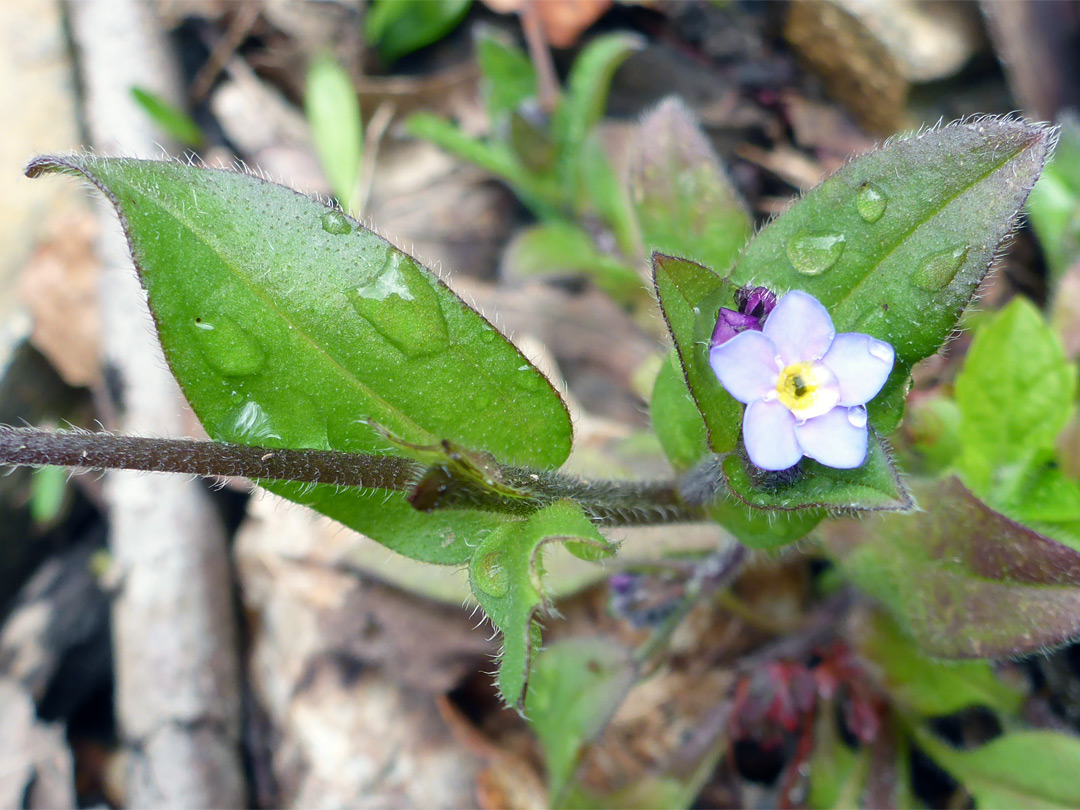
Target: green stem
610,503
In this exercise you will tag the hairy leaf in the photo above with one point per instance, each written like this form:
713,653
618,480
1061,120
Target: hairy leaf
873,487
926,685
685,203
947,573
289,325
691,296
574,688
1054,205
1024,769
895,243
506,575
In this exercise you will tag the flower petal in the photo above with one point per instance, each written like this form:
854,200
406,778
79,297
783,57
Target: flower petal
861,364
836,439
769,435
800,328
746,365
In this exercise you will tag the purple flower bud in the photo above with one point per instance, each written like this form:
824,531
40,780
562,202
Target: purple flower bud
754,303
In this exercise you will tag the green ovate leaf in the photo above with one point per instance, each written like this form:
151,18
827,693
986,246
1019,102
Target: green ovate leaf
691,296
675,417
399,27
873,487
1024,769
173,121
685,203
946,572
926,685
1054,205
506,575
895,243
1015,394
333,113
574,688
509,79
559,248
289,325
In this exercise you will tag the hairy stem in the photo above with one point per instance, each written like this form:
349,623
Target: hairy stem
610,503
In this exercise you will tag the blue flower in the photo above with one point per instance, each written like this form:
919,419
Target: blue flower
805,387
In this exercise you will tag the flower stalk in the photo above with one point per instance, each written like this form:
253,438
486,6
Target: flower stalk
610,503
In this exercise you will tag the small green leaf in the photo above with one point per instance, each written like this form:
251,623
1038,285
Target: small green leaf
559,248
509,79
1015,395
289,325
691,296
678,423
873,487
506,576
603,195
946,572
685,203
574,688
586,94
48,488
399,27
761,529
1054,205
837,772
950,197
930,686
542,194
333,113
1024,769
173,121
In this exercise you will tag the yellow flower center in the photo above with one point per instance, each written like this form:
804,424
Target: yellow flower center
807,389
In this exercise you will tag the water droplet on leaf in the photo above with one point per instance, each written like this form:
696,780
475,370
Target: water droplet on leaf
938,270
871,202
229,349
881,350
336,223
857,416
250,424
490,575
399,302
812,255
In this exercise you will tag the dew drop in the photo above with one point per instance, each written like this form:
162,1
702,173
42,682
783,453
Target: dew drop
881,350
336,223
401,305
528,379
249,424
871,202
489,574
227,347
857,416
812,255
938,270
